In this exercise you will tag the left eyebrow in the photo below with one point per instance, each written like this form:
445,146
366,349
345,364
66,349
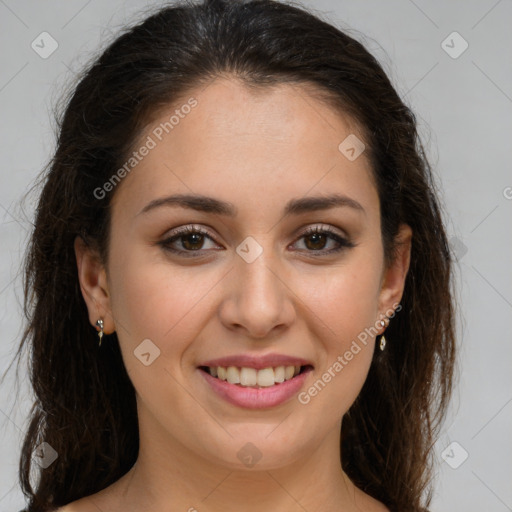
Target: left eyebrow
193,202
215,206
311,204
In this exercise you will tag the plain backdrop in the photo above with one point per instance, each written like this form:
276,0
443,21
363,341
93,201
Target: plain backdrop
462,97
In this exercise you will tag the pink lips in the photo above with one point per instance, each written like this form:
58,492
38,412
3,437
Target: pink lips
256,398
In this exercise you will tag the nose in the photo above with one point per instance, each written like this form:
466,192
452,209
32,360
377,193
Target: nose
257,299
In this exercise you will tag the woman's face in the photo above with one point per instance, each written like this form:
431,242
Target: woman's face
247,281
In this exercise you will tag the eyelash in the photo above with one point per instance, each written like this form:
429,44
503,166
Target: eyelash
187,230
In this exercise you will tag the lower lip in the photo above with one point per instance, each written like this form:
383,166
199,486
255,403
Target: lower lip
256,398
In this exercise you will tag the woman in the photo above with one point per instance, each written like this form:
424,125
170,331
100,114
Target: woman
238,286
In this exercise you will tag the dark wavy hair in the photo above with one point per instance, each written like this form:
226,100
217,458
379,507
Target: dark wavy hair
84,400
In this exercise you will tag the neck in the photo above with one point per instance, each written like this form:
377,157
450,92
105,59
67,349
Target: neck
168,475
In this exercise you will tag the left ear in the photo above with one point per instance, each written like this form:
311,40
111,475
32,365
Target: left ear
393,278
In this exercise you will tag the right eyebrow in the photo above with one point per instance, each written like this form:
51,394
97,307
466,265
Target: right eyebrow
193,202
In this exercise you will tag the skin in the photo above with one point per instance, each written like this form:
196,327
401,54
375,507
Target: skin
256,149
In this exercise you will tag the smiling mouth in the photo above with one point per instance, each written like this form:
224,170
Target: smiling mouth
253,378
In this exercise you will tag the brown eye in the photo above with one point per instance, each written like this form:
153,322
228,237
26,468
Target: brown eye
318,241
193,241
185,241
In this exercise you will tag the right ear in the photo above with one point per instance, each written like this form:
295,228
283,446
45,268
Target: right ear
94,286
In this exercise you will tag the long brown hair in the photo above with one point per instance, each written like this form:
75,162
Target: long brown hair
85,403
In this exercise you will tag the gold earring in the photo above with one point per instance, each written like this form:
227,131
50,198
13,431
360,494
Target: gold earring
382,344
99,324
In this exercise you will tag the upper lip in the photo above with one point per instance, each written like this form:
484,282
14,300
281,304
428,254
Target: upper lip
257,362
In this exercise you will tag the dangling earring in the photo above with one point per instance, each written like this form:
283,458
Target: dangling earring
99,323
382,344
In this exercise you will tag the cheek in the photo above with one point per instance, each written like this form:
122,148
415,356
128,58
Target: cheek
346,305
346,299
155,300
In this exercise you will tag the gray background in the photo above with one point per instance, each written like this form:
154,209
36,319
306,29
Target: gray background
464,108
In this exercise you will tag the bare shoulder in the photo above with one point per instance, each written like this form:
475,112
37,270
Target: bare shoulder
70,507
81,505
107,499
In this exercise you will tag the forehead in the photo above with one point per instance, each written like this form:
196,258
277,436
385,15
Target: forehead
225,137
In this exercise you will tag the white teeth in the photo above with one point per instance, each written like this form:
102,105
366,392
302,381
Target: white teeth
288,372
248,377
251,377
233,375
266,377
279,374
